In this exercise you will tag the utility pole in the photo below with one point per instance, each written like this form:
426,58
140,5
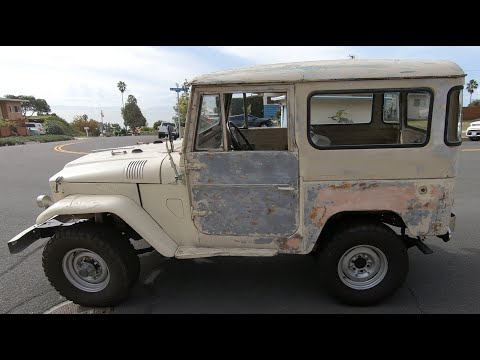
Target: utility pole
101,114
177,89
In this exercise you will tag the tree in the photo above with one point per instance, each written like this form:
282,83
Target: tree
122,87
81,121
471,87
132,115
32,104
475,103
156,124
182,105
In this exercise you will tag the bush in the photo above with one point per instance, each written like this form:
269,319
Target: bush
55,125
20,140
8,123
54,128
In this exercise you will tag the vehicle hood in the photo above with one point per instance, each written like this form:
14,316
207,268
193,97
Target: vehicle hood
129,164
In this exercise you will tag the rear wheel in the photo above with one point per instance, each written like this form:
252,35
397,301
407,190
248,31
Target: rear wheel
91,265
363,264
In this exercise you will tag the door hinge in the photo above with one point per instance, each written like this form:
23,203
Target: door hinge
198,212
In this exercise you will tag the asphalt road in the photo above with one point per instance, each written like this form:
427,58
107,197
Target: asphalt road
444,282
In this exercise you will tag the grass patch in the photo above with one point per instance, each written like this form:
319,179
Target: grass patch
20,140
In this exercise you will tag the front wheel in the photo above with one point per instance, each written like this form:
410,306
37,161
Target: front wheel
90,265
363,264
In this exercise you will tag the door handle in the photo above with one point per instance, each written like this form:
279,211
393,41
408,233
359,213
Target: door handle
285,188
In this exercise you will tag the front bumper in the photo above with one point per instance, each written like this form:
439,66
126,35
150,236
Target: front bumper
47,229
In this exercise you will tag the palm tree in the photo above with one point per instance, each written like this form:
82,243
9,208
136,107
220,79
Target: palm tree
122,87
471,87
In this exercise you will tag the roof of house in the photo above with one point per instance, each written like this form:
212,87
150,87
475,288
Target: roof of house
7,99
329,70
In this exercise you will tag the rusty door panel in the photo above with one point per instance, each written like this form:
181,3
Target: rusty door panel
244,193
246,210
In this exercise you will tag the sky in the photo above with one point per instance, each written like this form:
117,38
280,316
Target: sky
83,80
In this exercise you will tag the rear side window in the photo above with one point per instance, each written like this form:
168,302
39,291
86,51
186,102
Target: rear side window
370,119
453,121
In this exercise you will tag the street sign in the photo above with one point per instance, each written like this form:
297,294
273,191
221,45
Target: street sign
86,128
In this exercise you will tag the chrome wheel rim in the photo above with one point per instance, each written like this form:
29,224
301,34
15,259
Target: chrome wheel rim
362,267
86,270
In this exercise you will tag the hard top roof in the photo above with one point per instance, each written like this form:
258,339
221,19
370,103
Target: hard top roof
329,70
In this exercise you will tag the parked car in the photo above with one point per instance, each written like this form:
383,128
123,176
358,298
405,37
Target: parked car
163,129
355,203
253,121
473,131
35,128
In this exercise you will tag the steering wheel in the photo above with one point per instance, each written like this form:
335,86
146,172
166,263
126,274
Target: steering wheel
236,144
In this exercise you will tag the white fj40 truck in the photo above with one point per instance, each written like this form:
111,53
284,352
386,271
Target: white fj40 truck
359,166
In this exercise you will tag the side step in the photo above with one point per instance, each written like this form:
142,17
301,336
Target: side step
191,252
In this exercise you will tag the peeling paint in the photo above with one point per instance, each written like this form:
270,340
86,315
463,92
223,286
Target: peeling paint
252,194
425,213
292,244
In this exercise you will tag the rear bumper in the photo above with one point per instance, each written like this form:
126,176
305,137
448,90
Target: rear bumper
451,228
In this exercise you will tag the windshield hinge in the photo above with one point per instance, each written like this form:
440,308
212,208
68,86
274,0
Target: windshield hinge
193,166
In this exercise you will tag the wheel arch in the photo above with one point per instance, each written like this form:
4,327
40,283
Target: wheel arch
344,218
123,207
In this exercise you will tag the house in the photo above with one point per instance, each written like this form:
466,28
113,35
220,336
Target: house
10,109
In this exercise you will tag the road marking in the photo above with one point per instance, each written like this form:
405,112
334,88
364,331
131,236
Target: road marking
471,150
59,148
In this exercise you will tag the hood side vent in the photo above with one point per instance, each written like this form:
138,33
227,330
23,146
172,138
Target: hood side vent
134,169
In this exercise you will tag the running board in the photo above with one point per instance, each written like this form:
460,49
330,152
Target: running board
191,252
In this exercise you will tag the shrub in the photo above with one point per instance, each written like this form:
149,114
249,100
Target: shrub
20,140
54,128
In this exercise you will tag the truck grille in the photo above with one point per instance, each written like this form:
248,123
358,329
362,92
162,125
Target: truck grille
134,169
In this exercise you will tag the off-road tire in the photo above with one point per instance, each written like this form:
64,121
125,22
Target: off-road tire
117,252
377,235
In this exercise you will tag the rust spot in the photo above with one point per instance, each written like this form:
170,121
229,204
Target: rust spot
293,243
436,227
210,156
365,186
317,214
342,186
254,222
210,181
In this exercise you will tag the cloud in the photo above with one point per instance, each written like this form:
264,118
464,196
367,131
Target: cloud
83,77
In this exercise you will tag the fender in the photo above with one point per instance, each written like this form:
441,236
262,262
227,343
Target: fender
120,205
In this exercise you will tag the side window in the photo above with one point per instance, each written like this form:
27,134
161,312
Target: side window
418,110
380,118
341,109
257,121
209,126
453,121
